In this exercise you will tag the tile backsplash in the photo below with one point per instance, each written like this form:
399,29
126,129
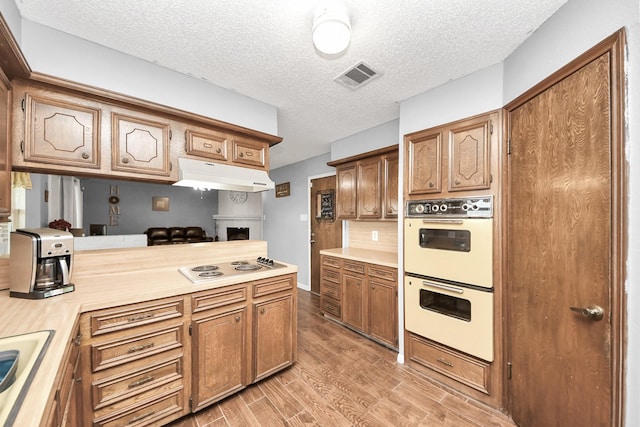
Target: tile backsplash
361,235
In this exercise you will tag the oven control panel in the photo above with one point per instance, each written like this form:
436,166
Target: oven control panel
464,207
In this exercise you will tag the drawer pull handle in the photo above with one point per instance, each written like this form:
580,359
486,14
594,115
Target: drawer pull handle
141,417
140,317
77,339
140,347
445,362
208,145
141,381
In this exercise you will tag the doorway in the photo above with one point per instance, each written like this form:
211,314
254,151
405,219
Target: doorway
326,230
565,262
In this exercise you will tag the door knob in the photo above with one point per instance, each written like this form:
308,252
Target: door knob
592,312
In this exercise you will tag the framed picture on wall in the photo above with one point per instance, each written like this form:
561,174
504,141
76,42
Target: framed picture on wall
160,203
283,190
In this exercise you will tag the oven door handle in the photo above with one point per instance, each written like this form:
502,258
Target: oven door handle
442,221
443,287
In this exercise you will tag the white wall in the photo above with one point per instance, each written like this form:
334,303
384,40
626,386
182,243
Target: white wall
59,54
376,137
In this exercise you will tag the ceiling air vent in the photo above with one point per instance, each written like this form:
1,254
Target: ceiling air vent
357,76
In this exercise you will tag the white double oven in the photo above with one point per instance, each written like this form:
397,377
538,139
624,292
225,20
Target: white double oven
448,262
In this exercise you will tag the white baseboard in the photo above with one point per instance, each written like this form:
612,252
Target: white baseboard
304,286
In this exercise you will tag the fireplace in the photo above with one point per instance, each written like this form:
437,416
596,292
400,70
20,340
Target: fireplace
237,233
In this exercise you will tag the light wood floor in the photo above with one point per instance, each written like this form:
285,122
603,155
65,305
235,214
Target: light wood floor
343,379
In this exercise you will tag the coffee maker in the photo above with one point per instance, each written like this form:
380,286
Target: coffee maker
41,263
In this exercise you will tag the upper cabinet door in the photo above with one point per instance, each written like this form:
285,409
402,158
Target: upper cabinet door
209,143
391,186
469,155
369,188
424,162
250,153
346,191
140,145
5,158
61,132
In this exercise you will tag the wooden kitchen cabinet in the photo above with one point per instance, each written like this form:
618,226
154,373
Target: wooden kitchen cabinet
246,152
346,192
274,313
369,193
451,158
5,149
140,144
207,143
353,294
136,368
366,299
391,169
367,185
66,407
57,126
331,286
219,344
383,304
61,130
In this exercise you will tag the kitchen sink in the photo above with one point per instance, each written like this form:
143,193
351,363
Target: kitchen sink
28,349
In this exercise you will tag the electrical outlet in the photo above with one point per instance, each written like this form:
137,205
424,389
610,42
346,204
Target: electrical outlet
374,235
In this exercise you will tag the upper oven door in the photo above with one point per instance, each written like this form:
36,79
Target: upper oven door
460,250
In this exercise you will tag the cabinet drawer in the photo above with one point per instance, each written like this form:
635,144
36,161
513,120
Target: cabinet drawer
249,153
112,353
462,368
125,385
210,144
332,262
330,289
331,275
330,306
382,273
157,411
271,286
355,267
131,316
218,298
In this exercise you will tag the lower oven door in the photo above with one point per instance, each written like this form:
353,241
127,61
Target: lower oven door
456,316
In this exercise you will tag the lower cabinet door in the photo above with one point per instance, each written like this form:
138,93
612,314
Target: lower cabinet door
273,336
353,300
219,354
383,312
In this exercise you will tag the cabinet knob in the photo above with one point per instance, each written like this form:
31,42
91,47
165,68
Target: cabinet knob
125,160
457,182
240,154
218,151
431,185
262,310
85,155
237,317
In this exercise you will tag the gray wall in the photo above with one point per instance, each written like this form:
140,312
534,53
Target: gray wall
186,206
286,224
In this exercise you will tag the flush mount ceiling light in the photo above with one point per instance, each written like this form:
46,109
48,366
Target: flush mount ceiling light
331,28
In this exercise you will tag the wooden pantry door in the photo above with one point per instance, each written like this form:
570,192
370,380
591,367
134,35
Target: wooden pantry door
325,233
565,245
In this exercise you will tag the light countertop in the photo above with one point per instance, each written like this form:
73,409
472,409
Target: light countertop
388,259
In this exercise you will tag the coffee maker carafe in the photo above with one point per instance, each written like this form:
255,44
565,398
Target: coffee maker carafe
41,262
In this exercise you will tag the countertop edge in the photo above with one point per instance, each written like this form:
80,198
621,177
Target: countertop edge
387,259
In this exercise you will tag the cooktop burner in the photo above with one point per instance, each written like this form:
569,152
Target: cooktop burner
205,268
211,274
240,263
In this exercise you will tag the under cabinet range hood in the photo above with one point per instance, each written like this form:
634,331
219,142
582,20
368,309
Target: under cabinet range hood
216,176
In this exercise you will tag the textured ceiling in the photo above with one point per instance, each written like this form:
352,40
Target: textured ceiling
263,49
